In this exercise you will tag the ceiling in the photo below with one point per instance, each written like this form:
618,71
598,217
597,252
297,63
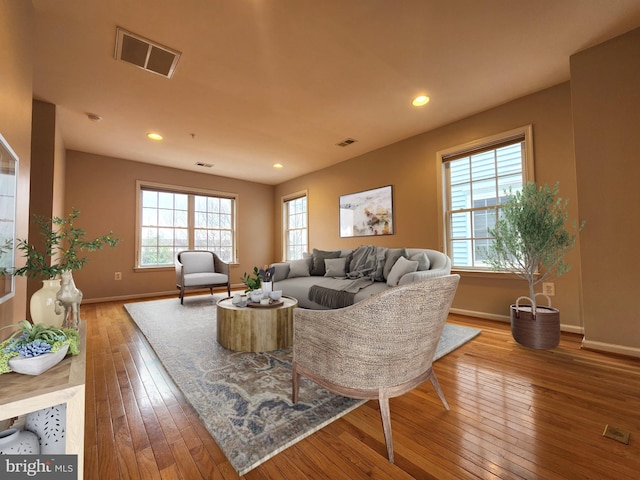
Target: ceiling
283,81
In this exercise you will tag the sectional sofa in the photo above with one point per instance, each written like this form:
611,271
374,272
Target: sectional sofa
327,279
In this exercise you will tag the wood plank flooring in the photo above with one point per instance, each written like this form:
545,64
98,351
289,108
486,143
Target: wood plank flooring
515,413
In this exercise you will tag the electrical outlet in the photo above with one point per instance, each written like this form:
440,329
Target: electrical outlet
117,276
549,289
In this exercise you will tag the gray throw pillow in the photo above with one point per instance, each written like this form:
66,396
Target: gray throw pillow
335,267
401,268
392,256
299,268
423,261
319,256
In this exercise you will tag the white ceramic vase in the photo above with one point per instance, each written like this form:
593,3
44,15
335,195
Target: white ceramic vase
18,442
49,425
43,303
267,287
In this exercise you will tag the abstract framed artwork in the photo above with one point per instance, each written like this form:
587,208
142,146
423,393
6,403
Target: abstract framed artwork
8,187
367,213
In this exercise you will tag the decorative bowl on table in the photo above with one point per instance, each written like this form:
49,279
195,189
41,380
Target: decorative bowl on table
256,295
39,364
275,295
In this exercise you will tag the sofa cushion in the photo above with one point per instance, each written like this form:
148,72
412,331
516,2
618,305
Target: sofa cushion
335,267
318,258
423,261
299,268
392,256
401,268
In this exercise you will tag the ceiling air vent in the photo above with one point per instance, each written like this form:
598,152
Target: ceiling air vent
145,54
206,165
346,142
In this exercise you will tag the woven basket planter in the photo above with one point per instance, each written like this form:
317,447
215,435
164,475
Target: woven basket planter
541,332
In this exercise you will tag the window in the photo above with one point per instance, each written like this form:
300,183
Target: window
476,178
296,233
172,219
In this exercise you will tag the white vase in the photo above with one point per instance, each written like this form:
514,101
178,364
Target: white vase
17,442
49,425
43,303
267,287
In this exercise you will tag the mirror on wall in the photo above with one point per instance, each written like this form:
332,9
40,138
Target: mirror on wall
8,187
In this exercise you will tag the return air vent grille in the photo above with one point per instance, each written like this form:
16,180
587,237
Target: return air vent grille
346,142
145,54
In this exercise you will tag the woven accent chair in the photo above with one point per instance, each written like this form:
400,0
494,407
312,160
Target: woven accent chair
381,347
200,269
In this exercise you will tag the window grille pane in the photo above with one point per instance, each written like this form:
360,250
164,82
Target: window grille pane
460,170
150,199
460,225
484,189
483,165
460,196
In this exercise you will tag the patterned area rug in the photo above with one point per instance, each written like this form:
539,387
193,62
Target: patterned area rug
244,399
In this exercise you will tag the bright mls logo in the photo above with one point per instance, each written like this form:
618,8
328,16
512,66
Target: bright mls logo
50,467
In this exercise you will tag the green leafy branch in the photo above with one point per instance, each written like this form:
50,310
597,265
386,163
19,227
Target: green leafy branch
60,239
253,281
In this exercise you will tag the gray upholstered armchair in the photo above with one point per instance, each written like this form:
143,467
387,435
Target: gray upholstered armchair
200,269
381,347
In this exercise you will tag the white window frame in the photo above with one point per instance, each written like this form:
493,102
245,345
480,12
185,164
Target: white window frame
528,175
285,222
144,185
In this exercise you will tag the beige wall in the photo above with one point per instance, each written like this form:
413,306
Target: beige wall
16,58
605,84
410,166
104,190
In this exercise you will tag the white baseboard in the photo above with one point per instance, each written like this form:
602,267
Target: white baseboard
611,348
507,319
131,297
486,316
169,293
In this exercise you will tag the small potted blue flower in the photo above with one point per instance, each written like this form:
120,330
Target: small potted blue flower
34,349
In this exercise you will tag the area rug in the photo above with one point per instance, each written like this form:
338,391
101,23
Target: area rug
243,399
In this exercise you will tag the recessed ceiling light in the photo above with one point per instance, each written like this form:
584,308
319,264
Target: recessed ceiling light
154,136
420,100
277,165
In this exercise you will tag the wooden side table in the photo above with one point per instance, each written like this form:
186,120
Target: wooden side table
255,329
64,383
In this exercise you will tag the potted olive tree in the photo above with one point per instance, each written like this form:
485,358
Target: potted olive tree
531,240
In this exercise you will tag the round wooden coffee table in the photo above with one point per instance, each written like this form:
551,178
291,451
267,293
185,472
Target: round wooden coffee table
255,329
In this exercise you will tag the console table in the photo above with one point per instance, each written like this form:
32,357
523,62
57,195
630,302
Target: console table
64,383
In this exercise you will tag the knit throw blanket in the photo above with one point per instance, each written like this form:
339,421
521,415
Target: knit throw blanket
365,267
337,292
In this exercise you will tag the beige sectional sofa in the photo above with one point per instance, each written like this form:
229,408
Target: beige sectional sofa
328,279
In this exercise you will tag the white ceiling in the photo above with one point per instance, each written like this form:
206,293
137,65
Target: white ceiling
267,81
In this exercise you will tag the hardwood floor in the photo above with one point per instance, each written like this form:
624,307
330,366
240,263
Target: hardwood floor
515,413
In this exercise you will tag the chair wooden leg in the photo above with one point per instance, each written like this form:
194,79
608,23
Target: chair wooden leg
295,383
182,296
385,413
436,385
